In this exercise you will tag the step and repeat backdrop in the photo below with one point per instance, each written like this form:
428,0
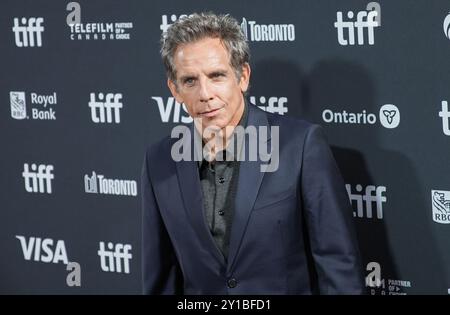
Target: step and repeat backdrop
83,93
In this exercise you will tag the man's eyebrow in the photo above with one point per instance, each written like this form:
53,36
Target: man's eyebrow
215,72
187,76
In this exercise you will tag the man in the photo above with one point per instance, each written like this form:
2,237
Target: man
218,225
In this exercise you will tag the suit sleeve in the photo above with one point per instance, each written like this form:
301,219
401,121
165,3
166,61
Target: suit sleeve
329,219
160,269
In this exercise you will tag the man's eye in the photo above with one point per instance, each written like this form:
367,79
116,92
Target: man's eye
189,81
218,75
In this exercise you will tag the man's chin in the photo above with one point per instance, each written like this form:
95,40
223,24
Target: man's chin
212,123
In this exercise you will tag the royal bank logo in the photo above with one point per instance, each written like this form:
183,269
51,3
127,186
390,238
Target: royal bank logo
105,108
383,286
28,31
95,30
445,115
41,105
388,116
18,105
363,201
38,178
271,104
440,200
365,24
44,250
256,32
98,184
115,258
446,26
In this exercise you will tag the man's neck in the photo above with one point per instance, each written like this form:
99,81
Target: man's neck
213,143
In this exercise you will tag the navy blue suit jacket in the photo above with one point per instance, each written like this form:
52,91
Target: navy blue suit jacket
292,231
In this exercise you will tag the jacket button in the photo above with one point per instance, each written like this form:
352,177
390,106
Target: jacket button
221,180
232,283
221,212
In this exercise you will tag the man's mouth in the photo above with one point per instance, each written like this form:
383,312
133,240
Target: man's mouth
210,113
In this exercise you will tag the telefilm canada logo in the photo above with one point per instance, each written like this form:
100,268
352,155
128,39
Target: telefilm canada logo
112,30
384,286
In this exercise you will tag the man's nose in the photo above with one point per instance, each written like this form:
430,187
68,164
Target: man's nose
205,91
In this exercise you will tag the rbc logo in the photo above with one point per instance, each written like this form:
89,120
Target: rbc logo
107,109
29,33
39,179
441,206
18,105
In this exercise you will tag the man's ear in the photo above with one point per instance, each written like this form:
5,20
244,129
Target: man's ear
174,90
245,77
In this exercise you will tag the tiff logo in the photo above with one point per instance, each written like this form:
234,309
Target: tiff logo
28,33
372,194
39,179
107,109
111,259
271,104
165,23
445,114
365,20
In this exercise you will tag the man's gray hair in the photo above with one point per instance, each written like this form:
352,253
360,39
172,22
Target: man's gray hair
198,26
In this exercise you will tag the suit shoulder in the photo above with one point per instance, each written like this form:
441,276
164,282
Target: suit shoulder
293,125
155,150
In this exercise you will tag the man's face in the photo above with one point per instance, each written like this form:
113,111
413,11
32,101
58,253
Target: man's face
207,84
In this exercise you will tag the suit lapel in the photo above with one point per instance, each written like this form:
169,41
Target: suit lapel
189,181
250,179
